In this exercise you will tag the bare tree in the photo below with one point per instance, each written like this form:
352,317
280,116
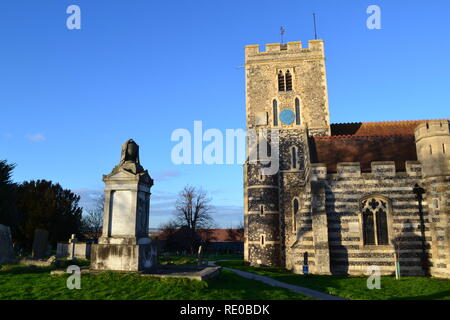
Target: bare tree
193,211
93,219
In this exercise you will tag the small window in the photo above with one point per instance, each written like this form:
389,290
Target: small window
262,240
295,208
261,210
281,83
288,81
294,158
297,111
275,113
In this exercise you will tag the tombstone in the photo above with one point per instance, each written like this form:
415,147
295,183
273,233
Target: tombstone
200,256
62,250
7,255
72,242
40,243
125,244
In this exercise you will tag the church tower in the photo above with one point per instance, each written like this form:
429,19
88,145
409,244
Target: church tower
286,93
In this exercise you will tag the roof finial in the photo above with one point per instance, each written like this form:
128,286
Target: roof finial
282,31
315,26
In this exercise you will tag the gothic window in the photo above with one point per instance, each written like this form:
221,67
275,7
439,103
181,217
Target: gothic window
294,158
374,221
275,113
288,81
281,83
297,111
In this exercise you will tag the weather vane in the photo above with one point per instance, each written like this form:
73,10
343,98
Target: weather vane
282,31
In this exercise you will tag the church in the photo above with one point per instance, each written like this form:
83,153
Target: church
347,196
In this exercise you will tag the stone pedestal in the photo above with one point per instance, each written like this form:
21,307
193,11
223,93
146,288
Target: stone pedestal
125,245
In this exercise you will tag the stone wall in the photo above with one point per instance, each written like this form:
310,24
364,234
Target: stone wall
343,193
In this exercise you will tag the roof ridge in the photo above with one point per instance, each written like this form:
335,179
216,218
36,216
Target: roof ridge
363,136
389,122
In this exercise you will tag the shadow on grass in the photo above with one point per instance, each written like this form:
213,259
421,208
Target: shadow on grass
23,269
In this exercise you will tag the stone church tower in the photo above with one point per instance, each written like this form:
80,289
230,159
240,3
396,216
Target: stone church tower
286,90
343,197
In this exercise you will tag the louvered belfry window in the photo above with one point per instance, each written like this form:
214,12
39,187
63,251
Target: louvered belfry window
281,82
288,81
375,224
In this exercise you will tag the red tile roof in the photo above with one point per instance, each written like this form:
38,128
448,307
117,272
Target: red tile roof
215,235
366,142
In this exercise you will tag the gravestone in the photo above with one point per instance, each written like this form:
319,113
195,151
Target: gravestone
125,244
40,242
200,256
7,255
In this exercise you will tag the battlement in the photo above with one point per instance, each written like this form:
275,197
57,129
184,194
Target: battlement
315,47
432,128
379,169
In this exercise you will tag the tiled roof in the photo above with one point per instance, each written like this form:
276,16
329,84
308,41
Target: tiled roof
215,235
375,128
365,142
364,149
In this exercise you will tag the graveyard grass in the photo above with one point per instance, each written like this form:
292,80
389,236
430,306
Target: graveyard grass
355,288
36,283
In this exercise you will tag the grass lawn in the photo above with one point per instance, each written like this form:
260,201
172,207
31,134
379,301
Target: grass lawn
22,282
407,288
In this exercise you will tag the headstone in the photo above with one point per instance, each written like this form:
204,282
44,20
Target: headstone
7,255
62,250
125,244
200,256
40,243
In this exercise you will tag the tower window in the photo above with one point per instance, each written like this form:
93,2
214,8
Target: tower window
375,225
281,82
262,240
275,113
297,111
261,210
294,158
288,81
295,207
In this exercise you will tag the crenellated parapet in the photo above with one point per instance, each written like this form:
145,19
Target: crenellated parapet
290,50
379,169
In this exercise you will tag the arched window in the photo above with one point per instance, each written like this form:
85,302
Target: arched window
294,158
262,240
295,208
261,210
374,218
281,83
297,111
275,113
288,81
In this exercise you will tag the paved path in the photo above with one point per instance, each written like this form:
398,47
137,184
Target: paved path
305,291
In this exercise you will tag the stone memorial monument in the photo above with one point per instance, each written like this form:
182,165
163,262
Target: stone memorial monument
7,255
40,242
125,244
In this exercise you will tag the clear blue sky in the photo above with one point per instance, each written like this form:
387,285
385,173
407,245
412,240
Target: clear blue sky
140,69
